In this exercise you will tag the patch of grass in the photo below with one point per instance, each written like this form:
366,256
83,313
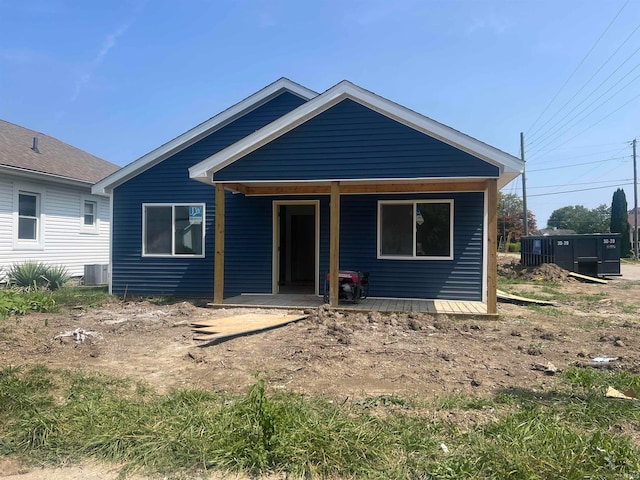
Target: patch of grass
626,308
88,297
60,416
463,402
549,311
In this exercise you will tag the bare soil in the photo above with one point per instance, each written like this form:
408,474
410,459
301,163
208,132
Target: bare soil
346,356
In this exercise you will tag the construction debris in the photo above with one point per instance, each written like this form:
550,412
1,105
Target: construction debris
79,335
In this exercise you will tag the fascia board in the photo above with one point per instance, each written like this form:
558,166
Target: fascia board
44,177
205,170
197,133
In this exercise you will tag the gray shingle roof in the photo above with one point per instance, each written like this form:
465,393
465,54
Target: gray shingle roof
55,157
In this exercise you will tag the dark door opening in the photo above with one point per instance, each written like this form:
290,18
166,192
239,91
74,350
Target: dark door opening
297,249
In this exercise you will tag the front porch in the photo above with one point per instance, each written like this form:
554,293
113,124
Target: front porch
449,307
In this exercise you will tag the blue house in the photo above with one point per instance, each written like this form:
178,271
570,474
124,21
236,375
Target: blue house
289,185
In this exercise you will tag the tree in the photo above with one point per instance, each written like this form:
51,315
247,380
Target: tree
580,219
510,216
619,221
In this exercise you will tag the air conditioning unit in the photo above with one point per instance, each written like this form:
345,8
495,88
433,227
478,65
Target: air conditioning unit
96,274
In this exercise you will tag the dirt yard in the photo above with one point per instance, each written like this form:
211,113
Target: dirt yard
345,356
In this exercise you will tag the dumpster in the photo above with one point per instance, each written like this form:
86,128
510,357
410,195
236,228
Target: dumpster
595,255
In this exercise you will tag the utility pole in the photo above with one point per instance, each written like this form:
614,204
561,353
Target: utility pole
635,202
524,187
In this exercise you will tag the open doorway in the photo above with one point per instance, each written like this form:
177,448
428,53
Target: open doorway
295,247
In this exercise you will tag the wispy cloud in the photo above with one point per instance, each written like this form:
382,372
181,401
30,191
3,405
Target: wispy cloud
108,43
491,22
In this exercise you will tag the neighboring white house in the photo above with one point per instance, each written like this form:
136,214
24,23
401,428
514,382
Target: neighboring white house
47,211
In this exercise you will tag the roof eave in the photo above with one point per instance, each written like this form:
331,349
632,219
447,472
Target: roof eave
192,136
205,170
35,175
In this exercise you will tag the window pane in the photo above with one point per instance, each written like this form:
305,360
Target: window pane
27,228
188,236
396,229
89,213
433,229
158,230
28,205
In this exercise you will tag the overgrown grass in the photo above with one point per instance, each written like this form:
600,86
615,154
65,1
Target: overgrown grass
13,302
20,302
51,417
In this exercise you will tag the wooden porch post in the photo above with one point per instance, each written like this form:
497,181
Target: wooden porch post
492,246
218,277
334,244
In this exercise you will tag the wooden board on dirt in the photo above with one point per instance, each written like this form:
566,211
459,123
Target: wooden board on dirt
236,325
507,297
587,278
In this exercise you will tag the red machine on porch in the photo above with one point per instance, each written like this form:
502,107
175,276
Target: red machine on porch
352,286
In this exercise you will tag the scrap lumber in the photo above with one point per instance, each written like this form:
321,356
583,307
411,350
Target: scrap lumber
587,278
509,298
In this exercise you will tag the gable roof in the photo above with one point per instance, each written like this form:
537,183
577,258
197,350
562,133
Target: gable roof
54,158
204,129
510,167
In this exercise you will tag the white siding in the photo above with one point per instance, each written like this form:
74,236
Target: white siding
65,242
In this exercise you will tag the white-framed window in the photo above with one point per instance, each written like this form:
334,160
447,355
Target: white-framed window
88,215
173,230
28,217
415,229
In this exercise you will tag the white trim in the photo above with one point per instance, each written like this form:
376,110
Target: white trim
40,193
89,229
485,242
173,230
413,202
510,166
275,257
199,132
110,269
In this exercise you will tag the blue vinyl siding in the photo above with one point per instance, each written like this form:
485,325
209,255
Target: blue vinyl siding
249,240
457,279
169,182
351,141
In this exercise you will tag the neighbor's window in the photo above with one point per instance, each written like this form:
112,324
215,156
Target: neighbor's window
28,215
90,209
173,230
416,229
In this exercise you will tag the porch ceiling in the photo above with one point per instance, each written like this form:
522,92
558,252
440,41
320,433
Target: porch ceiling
360,186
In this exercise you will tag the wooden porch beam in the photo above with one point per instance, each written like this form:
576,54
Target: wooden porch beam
492,246
334,244
218,277
417,187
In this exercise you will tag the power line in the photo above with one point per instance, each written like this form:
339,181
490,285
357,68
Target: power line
579,190
559,135
584,183
579,164
550,130
578,67
592,77
575,156
602,119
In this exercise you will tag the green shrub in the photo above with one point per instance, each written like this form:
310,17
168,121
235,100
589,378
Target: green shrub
514,247
31,275
57,277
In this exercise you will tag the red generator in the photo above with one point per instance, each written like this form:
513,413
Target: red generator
352,286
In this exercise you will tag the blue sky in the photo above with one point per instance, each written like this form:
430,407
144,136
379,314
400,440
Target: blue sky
119,78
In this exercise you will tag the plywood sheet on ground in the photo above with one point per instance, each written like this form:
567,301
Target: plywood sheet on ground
235,325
